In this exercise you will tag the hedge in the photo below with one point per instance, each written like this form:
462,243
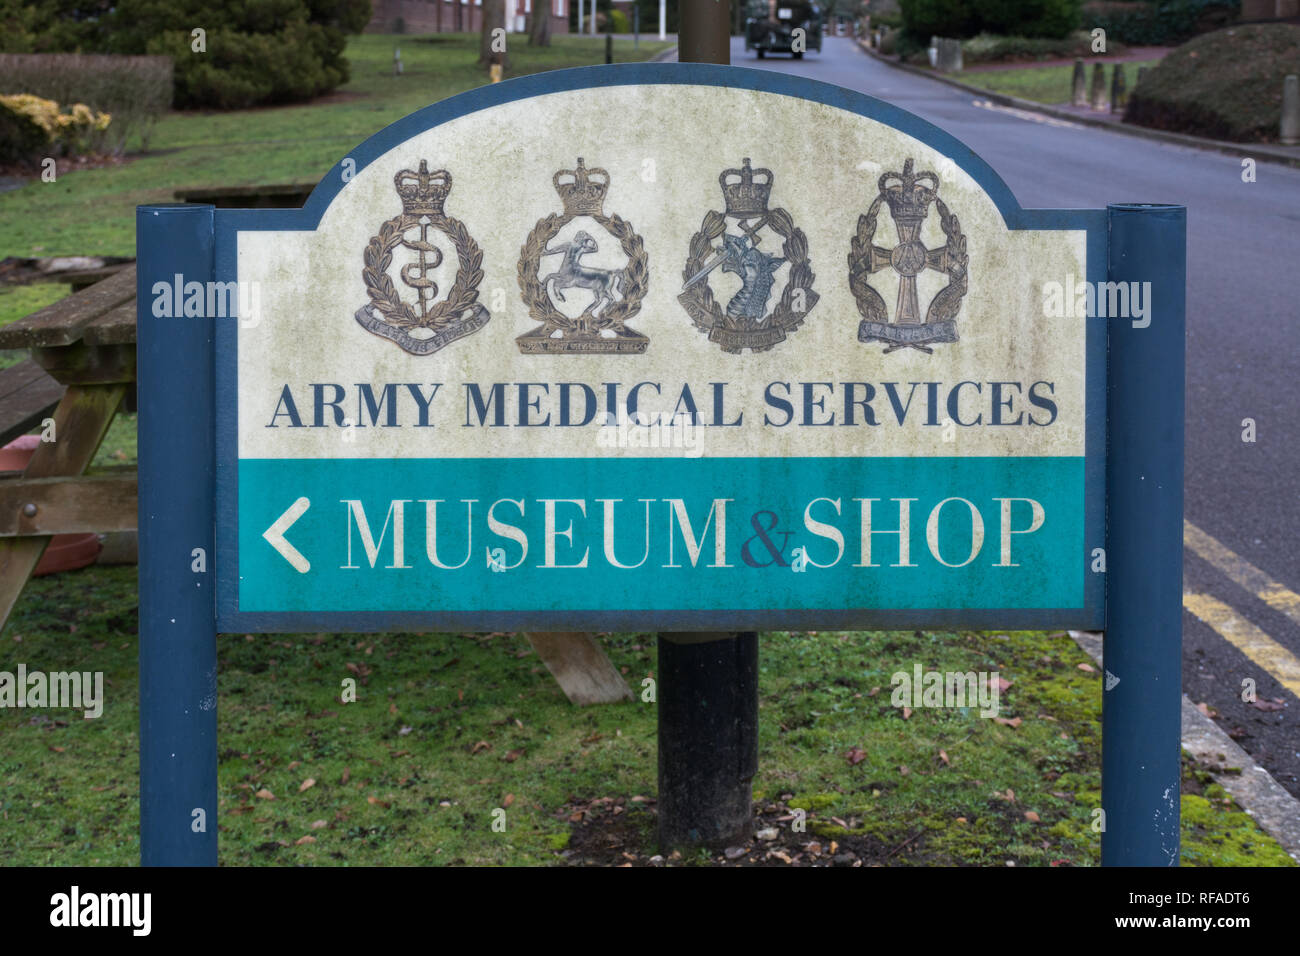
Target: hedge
135,90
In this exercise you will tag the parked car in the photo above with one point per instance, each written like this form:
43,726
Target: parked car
765,33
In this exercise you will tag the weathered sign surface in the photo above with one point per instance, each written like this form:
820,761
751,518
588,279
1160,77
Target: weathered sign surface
672,346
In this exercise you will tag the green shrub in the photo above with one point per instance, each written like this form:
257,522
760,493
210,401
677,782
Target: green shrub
33,128
23,139
1028,18
991,48
257,51
1160,23
620,22
946,18
1225,85
965,18
135,90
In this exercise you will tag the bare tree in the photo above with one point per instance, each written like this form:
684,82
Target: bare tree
494,18
539,27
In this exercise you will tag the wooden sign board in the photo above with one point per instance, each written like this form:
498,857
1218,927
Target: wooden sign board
528,359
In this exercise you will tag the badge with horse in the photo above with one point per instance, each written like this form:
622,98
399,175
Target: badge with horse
746,322
582,273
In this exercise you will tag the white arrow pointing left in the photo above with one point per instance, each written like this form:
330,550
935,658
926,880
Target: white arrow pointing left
274,535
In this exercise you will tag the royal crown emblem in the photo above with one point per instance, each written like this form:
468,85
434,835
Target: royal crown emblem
422,324
615,276
746,323
909,196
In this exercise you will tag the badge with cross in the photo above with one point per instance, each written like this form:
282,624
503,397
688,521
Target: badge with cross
909,196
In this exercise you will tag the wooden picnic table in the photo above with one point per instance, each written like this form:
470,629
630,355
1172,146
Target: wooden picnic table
82,365
81,368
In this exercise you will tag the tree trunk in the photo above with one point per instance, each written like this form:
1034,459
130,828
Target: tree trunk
494,17
539,29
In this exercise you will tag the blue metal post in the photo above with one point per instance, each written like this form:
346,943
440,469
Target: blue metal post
1141,738
178,645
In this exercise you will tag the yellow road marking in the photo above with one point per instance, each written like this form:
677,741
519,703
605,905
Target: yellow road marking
1276,595
1247,638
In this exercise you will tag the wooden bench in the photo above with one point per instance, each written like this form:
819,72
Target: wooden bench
82,367
27,396
84,347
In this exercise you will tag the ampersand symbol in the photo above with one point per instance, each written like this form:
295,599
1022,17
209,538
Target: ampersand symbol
777,553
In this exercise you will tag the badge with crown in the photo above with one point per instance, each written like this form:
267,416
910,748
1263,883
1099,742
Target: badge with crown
909,196
746,322
421,323
583,306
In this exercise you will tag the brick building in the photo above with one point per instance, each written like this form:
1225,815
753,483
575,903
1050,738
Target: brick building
466,16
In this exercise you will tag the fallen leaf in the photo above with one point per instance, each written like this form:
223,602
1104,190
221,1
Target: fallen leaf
347,772
318,824
1008,721
907,712
943,755
404,731
307,784
376,801
1003,684
1088,667
1031,816
392,708
295,765
481,745
1274,704
855,756
304,839
264,794
510,798
873,692
57,750
513,755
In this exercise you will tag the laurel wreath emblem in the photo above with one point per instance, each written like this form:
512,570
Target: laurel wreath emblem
704,309
635,276
383,293
946,302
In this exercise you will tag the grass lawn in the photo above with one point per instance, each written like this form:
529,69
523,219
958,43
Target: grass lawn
449,728
92,212
1044,84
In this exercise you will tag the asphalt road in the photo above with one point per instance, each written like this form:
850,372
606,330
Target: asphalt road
1242,341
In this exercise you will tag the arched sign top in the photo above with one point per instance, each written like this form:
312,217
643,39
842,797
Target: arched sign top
674,74
681,340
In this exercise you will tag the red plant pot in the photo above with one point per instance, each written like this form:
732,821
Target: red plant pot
65,552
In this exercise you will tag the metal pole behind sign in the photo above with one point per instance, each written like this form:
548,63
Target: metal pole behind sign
1144,549
708,694
178,641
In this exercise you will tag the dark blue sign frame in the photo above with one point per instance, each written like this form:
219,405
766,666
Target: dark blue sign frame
188,484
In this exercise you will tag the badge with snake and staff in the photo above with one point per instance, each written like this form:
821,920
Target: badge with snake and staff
583,274
746,323
421,324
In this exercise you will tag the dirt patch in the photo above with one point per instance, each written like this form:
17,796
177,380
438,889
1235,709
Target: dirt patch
618,831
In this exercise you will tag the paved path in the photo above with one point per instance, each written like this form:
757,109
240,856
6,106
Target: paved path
1242,572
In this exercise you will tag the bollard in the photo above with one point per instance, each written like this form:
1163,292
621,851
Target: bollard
1118,95
609,48
1290,111
1079,86
397,61
948,55
1098,96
